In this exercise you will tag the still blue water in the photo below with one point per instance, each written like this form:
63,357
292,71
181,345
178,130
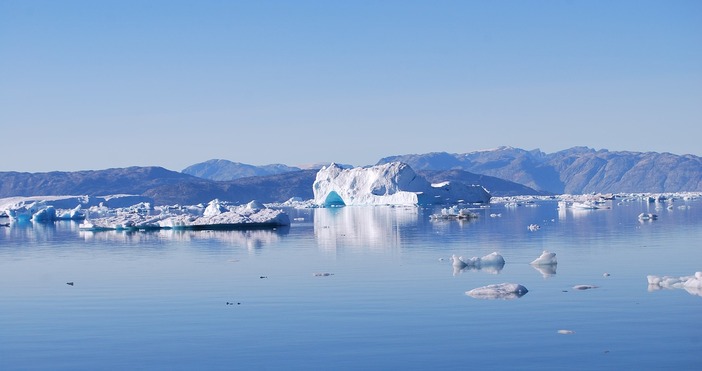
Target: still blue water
250,300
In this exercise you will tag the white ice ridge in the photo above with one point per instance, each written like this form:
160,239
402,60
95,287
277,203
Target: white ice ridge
216,215
691,284
388,184
498,291
546,258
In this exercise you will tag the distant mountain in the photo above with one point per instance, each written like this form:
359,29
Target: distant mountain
271,188
164,186
217,169
496,186
504,171
576,170
131,180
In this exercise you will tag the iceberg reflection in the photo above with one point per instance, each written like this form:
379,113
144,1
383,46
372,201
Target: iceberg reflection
376,227
546,270
251,239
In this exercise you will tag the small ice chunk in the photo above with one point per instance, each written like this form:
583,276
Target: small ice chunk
533,227
566,332
504,291
492,260
584,287
323,274
648,216
546,258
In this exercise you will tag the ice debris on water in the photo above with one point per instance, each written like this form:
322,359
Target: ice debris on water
492,262
506,291
647,216
691,284
585,287
454,212
533,227
323,274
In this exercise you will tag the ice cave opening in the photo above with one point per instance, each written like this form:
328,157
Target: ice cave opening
333,199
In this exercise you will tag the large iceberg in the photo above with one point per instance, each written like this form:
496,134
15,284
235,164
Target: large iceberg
393,183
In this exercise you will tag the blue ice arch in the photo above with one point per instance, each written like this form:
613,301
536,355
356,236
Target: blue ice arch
333,199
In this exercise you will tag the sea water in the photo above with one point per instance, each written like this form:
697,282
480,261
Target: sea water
369,288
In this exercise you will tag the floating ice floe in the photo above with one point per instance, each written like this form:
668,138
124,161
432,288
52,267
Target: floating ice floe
498,291
322,274
691,284
648,216
589,205
584,287
533,227
217,215
491,263
566,332
454,212
546,264
546,258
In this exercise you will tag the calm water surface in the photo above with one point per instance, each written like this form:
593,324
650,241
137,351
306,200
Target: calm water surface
393,300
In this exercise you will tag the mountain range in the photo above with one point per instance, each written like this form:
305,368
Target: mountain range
576,170
504,171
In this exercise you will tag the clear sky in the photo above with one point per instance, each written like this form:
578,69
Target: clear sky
101,84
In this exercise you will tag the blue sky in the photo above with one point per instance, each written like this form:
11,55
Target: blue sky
101,84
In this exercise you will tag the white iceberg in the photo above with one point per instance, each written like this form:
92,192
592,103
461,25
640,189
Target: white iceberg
546,258
388,184
504,291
